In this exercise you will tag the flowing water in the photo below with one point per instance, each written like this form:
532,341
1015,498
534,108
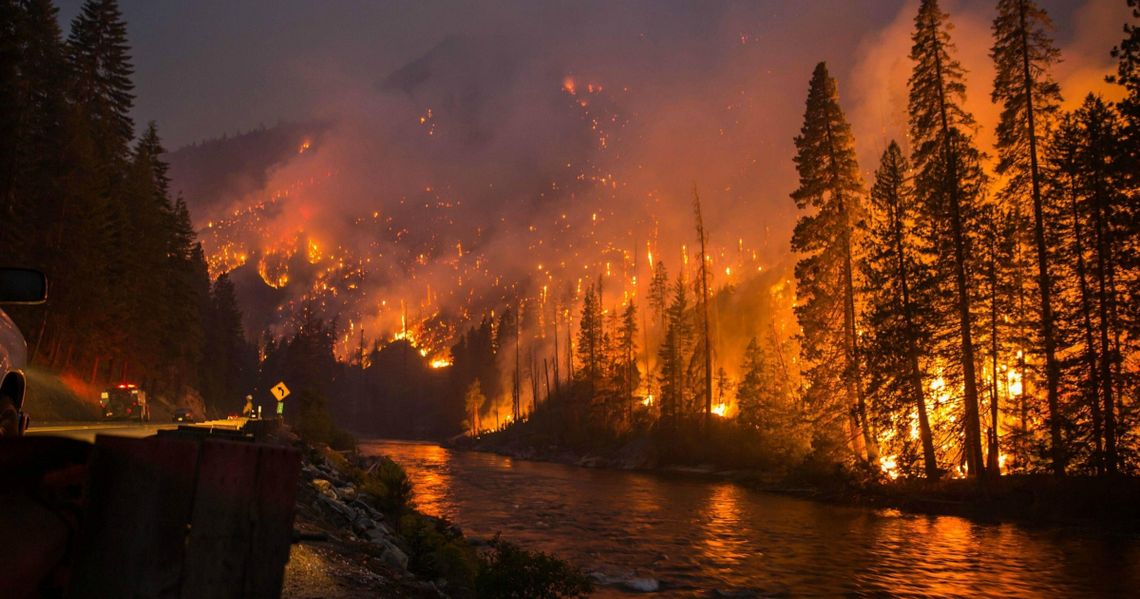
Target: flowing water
697,537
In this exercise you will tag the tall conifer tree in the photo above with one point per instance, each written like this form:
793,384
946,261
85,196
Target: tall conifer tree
948,181
1023,54
897,290
831,192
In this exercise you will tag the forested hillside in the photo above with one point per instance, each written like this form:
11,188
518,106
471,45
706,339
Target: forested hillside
85,196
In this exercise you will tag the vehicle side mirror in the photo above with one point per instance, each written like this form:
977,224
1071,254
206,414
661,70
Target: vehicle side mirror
22,286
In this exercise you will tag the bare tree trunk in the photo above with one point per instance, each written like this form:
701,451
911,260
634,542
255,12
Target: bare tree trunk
1052,368
1090,353
704,311
853,376
546,375
556,355
918,394
1103,264
973,446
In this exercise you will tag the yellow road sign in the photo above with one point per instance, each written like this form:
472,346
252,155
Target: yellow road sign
280,391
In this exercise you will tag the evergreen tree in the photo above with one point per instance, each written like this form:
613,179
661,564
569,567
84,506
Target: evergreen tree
473,401
1100,247
32,115
233,358
831,190
1023,54
1075,317
659,292
11,111
674,353
102,90
764,402
948,182
627,342
897,288
998,295
1128,76
144,291
591,339
703,291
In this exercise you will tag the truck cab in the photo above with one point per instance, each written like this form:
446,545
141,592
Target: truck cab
124,401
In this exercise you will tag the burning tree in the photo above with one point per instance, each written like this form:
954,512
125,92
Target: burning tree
949,182
898,284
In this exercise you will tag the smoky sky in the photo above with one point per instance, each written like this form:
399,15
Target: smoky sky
540,169
213,66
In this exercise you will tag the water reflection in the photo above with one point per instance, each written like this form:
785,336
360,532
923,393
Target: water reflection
433,478
722,543
695,535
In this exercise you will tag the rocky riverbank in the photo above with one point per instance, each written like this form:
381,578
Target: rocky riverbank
348,548
361,537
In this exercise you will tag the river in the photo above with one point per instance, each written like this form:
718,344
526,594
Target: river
693,536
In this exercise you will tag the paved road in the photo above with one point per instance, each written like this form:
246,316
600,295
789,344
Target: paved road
86,431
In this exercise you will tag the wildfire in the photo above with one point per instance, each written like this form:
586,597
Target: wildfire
440,363
720,409
889,464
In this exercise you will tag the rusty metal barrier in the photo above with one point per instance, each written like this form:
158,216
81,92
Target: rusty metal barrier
155,517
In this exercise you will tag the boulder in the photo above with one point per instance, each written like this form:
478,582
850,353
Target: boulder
324,487
336,507
392,555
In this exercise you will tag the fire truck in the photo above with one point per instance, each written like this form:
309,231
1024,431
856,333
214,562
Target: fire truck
124,401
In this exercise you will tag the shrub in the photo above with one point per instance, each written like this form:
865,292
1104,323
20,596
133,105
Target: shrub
389,487
434,552
508,571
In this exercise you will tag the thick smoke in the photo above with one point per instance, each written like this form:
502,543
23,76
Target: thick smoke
522,159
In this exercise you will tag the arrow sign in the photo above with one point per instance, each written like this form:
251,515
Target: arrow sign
280,391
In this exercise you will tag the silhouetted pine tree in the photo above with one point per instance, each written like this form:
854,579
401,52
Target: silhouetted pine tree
591,340
102,90
1099,245
674,353
831,191
1023,54
949,182
898,313
627,343
11,113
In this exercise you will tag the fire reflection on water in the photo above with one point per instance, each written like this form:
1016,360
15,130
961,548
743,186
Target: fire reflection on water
695,535
720,527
